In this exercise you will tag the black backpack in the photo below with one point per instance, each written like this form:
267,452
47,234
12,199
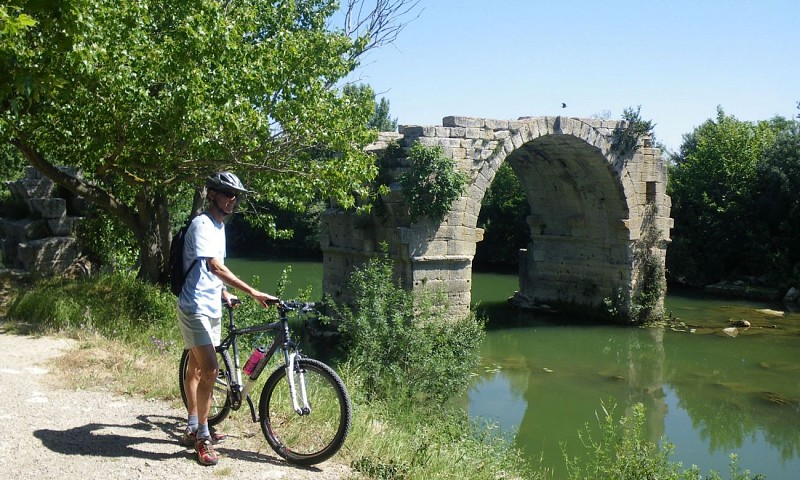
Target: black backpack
177,276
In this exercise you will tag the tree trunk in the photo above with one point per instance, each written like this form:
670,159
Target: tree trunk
153,236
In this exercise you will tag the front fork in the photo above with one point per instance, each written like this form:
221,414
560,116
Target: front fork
291,373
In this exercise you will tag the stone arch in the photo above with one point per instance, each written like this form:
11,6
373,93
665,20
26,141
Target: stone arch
587,212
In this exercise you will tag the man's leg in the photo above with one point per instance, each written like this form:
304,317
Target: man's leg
206,358
191,382
205,364
190,388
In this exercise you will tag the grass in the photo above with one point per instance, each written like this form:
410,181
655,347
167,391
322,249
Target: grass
129,344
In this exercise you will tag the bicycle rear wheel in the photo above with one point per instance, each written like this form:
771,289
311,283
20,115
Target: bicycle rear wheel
220,397
313,437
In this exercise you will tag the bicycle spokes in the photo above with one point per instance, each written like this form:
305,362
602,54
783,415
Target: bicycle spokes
310,435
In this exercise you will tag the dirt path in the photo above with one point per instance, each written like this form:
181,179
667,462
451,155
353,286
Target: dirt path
51,432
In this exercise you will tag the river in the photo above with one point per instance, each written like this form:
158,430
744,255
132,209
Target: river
707,392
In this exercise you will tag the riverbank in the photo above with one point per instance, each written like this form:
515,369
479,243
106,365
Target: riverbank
130,346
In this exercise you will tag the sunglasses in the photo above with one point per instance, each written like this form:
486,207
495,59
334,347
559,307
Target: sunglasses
228,194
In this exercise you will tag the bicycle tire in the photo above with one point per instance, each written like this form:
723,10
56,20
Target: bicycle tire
220,397
312,438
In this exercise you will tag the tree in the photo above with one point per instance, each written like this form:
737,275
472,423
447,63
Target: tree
145,98
775,206
380,120
710,182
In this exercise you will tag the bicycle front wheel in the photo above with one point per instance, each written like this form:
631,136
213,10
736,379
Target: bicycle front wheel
220,396
313,437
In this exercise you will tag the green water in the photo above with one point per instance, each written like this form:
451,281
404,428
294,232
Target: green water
708,393
303,275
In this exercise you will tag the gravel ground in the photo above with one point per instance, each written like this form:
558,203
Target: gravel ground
51,432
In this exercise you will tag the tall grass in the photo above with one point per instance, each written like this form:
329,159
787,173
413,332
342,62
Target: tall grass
623,453
112,305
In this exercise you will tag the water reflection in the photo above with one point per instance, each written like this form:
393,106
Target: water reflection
708,393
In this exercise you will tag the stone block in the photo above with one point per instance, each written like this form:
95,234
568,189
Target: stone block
475,132
49,255
64,226
48,207
458,132
496,124
24,229
27,188
461,248
436,248
10,253
410,130
454,121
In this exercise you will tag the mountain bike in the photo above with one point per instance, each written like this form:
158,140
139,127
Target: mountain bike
304,409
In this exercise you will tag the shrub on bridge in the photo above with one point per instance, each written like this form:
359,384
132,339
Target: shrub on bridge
433,183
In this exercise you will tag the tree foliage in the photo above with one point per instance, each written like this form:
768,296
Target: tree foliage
625,138
433,183
503,215
381,119
405,344
775,212
721,187
147,97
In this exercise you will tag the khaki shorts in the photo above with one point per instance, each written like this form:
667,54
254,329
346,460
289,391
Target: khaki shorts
198,329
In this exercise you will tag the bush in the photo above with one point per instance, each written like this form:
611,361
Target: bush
402,344
433,183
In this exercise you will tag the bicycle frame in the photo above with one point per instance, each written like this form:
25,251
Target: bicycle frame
239,389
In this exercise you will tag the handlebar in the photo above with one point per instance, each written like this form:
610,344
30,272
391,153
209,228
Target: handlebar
284,305
292,305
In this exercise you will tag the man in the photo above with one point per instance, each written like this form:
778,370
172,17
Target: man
200,306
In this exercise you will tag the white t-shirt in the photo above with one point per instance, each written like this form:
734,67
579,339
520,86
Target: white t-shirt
202,291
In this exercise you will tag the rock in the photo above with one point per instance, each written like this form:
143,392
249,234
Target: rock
731,331
792,297
740,323
740,289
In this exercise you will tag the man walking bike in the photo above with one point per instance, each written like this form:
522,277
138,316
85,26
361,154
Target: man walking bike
199,306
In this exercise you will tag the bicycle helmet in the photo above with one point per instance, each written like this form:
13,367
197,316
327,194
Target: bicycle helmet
225,181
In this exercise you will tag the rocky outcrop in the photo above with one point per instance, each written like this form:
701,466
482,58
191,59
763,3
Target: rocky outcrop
43,241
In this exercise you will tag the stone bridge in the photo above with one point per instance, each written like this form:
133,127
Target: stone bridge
598,218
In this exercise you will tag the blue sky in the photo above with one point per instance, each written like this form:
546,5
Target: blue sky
678,59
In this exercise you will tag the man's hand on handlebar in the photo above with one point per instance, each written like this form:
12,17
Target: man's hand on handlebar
264,299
